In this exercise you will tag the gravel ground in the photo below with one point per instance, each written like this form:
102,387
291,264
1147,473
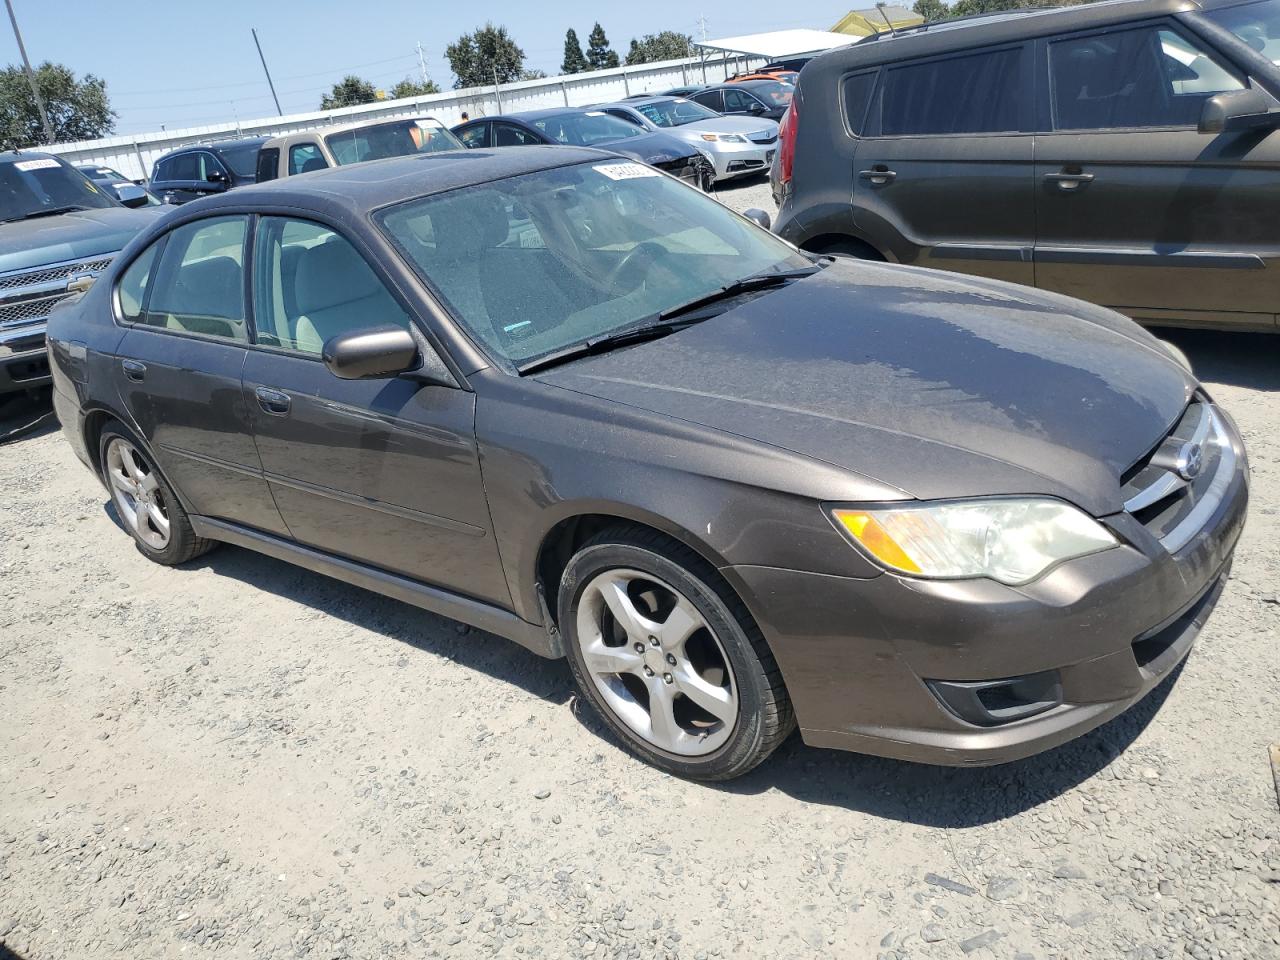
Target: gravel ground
242,758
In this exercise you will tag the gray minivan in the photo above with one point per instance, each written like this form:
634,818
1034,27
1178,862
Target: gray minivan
1125,153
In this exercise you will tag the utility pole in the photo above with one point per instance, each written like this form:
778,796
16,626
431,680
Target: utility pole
254,31
702,25
31,77
422,63
496,92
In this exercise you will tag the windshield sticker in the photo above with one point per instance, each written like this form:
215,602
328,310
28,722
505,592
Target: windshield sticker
44,163
627,171
595,113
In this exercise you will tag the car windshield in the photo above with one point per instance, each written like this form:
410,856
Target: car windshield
41,186
395,138
772,90
243,160
586,129
675,113
1257,24
536,263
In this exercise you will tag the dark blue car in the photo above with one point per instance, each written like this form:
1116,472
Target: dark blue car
590,128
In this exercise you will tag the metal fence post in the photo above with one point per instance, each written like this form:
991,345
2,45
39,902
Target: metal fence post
141,163
626,87
564,90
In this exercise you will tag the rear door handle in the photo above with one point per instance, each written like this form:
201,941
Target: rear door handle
273,401
134,370
879,174
1067,182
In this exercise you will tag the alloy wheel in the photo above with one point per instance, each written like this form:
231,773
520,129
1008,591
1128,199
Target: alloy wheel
656,662
137,495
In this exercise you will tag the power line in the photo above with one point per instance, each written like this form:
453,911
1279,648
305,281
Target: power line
253,83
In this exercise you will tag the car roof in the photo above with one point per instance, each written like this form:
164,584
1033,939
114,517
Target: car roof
532,115
740,85
312,132
217,145
1003,26
9,155
360,187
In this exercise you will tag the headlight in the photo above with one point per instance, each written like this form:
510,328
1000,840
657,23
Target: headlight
724,138
1009,540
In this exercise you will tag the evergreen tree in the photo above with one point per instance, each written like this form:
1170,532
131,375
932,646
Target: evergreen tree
599,56
574,59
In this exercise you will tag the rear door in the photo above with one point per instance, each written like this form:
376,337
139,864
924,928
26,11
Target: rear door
382,471
943,172
1137,210
182,302
711,99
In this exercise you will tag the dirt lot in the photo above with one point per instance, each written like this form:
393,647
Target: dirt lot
242,758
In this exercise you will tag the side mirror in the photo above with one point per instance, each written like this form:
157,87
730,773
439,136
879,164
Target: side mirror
757,108
758,217
131,195
372,354
1237,110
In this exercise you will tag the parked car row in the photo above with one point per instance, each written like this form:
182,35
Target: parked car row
1123,153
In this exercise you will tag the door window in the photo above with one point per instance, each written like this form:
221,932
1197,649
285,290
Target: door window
857,97
311,284
1150,77
132,287
509,135
163,170
978,93
735,101
710,99
199,283
186,166
268,164
305,157
477,136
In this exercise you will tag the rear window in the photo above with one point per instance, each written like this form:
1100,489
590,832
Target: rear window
978,93
857,97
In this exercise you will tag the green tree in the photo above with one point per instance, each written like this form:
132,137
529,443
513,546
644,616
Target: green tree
477,58
350,91
599,56
408,87
932,10
533,75
965,8
574,59
668,45
77,109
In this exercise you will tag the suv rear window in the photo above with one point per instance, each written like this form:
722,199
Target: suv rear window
977,93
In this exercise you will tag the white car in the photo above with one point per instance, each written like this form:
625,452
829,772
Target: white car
736,146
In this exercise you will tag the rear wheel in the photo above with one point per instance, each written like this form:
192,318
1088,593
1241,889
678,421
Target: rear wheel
144,501
669,656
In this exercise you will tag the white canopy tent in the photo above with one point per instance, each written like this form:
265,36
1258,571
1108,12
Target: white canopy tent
777,43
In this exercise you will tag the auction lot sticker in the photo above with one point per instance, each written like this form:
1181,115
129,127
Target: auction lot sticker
627,171
44,163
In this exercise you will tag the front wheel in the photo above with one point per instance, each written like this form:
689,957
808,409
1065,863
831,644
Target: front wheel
669,656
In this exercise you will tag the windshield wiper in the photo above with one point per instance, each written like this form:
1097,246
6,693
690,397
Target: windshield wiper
666,322
50,212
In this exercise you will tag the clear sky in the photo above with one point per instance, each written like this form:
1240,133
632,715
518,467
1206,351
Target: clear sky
188,62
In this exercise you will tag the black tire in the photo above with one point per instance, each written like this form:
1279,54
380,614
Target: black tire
183,544
765,715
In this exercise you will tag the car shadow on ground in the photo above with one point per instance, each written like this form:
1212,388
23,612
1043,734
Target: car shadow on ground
1249,360
24,416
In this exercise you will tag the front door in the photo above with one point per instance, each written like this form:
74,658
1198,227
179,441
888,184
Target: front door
179,368
1138,211
943,174
381,471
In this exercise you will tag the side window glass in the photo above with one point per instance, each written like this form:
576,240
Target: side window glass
163,170
979,93
857,97
509,135
185,166
713,100
311,284
132,286
199,284
268,164
1134,78
475,136
736,101
305,157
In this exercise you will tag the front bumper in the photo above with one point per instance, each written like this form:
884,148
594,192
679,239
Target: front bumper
733,160
862,659
24,365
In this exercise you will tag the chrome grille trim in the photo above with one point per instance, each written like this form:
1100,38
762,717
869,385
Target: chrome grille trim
28,296
1169,483
53,272
1193,522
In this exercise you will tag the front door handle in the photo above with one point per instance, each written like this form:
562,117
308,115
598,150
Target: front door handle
273,401
879,174
1069,182
134,370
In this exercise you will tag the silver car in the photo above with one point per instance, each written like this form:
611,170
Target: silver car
736,146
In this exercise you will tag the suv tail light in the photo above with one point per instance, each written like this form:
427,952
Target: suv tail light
787,143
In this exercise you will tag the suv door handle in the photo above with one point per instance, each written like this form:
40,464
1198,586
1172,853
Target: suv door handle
134,370
879,174
273,401
1068,182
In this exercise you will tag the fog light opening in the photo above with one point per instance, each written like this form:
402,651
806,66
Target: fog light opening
992,703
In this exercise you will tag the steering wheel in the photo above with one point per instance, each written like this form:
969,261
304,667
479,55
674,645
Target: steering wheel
642,255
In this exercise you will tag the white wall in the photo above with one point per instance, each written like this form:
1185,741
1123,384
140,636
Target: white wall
134,155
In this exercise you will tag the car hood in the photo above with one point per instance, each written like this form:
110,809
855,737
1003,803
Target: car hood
71,236
741,125
649,148
933,383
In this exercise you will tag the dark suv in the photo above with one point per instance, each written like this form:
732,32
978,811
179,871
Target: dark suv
1124,153
204,168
